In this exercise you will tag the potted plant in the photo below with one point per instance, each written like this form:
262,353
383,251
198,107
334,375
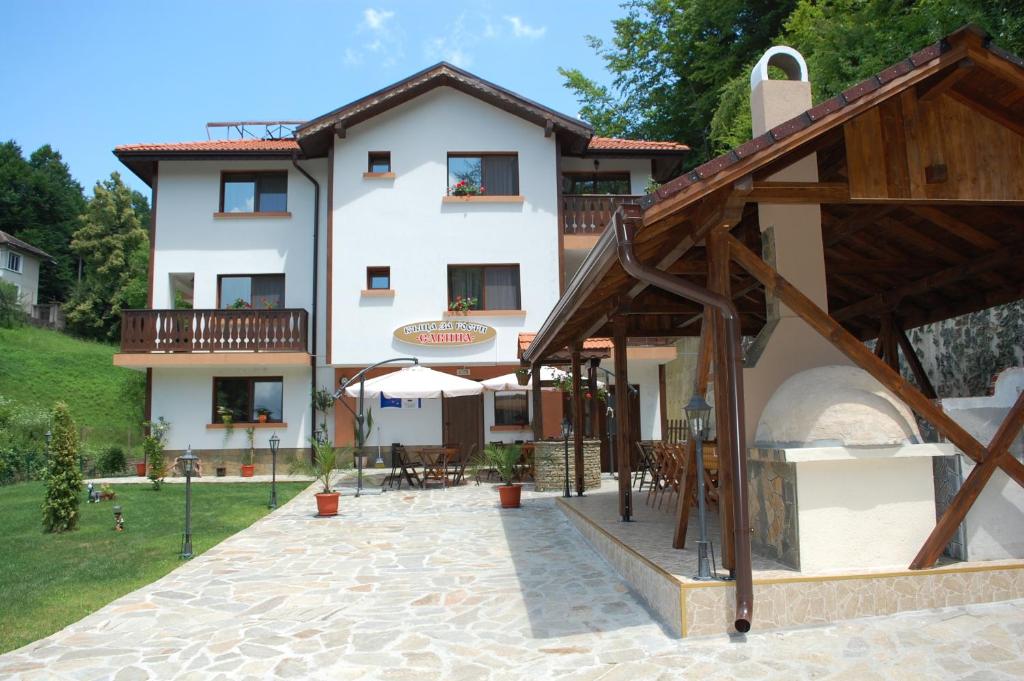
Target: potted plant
325,459
140,468
262,414
248,468
504,459
107,492
466,188
462,305
523,376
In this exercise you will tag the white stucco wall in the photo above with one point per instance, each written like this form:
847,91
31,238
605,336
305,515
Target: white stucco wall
639,169
189,239
27,280
402,223
865,514
184,396
644,374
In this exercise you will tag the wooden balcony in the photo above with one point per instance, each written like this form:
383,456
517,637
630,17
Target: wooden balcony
208,331
585,214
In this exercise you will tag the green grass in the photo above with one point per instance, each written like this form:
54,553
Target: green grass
39,367
48,581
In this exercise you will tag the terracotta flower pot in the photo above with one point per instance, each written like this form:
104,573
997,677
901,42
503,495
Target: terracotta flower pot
248,469
262,418
140,469
327,504
510,495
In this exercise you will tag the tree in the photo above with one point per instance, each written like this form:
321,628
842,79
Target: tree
41,203
114,247
668,61
63,479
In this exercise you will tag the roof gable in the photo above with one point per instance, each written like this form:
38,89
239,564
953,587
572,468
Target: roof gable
23,246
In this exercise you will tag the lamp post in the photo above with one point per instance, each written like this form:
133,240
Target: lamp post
566,432
697,413
275,442
188,462
48,436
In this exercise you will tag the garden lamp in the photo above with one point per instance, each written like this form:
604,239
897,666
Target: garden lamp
48,436
275,442
118,519
188,463
698,413
566,432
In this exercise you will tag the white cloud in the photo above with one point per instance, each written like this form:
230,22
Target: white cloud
352,57
374,19
521,29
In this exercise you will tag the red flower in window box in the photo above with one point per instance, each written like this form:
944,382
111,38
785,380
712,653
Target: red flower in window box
466,188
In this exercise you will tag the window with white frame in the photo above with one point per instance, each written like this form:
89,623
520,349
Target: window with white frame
13,261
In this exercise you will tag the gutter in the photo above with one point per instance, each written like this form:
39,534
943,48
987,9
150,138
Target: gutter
316,292
685,289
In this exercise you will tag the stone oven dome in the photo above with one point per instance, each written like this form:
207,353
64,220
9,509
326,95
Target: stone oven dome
835,406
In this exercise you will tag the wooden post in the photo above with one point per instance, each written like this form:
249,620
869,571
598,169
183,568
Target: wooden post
622,418
718,279
969,491
538,404
887,337
592,389
577,419
700,386
923,383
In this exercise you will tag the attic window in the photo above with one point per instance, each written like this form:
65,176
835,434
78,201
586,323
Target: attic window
379,162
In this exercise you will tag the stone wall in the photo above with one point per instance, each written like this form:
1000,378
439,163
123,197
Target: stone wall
232,460
773,511
549,465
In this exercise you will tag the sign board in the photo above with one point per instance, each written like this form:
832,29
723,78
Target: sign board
445,333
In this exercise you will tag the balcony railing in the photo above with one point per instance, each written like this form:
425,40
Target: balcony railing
282,330
590,213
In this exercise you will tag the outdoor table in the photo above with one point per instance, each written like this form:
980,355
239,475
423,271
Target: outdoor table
435,464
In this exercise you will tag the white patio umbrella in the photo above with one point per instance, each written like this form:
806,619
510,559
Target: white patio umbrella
416,382
509,382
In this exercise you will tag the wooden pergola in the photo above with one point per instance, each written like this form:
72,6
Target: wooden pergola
921,191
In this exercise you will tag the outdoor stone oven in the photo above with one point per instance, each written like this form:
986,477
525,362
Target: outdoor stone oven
839,477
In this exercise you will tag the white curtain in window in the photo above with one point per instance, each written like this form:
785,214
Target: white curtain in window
500,175
502,288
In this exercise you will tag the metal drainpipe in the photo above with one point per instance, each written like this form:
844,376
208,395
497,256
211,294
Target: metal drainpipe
685,289
316,274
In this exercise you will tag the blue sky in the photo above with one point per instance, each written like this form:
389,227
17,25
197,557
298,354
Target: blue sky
86,76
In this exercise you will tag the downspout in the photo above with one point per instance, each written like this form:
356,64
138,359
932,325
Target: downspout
316,293
698,294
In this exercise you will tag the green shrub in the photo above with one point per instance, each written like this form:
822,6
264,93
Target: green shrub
22,442
63,479
11,312
112,460
154,451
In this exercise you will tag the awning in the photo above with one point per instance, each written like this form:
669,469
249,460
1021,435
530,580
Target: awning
510,383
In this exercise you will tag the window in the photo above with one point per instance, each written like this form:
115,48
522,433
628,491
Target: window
254,192
251,291
596,183
247,398
379,162
13,261
486,287
497,174
510,409
378,278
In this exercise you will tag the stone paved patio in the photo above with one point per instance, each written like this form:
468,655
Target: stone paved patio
442,585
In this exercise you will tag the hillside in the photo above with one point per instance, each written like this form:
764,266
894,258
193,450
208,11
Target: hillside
39,367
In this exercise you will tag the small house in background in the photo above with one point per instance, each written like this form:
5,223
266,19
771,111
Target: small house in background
19,265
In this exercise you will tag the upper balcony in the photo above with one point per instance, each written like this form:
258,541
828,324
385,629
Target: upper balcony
585,216
152,338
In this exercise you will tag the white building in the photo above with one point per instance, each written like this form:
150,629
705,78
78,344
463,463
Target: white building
19,265
283,265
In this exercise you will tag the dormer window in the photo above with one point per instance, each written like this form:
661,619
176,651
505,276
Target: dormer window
264,192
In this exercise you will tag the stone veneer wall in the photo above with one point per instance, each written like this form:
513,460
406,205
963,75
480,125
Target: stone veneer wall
549,465
773,511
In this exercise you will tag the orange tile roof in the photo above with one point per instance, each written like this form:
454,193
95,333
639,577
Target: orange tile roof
589,344
212,145
618,144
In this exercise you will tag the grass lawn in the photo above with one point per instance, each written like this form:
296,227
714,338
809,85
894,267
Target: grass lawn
39,367
48,581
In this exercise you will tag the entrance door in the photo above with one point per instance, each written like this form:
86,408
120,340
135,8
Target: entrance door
463,421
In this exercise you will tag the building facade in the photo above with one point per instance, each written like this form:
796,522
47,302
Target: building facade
19,266
438,218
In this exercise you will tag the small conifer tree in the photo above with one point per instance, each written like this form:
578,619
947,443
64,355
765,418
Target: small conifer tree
63,479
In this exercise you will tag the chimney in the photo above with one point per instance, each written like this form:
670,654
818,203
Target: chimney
792,243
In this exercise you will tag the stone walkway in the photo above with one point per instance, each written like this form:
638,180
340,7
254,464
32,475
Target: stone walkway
440,584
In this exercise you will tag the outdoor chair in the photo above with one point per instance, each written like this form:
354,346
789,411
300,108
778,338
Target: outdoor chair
407,469
396,467
435,465
457,467
643,468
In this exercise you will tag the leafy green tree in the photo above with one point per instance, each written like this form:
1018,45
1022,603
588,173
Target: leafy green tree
11,312
41,203
114,246
63,479
668,60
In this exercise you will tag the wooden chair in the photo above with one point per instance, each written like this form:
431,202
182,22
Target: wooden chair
407,468
643,469
435,463
457,467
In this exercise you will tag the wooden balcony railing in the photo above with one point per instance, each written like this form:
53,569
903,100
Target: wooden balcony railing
282,330
590,213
